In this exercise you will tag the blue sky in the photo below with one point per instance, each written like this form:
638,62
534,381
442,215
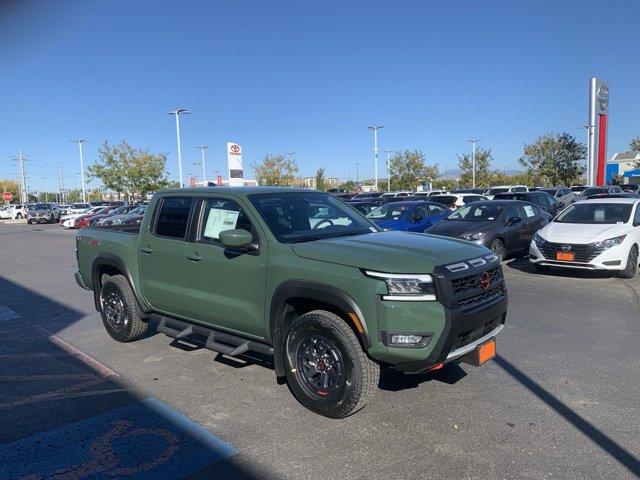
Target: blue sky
307,77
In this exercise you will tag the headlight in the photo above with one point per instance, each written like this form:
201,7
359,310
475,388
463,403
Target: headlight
474,236
539,240
610,242
406,286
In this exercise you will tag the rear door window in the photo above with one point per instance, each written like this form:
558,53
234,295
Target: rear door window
173,217
220,214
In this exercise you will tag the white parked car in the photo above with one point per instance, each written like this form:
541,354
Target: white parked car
68,221
78,208
490,192
456,200
596,234
13,212
396,194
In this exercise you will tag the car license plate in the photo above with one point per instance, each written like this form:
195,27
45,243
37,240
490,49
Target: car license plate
565,256
481,354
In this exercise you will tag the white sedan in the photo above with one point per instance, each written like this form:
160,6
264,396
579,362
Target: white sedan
596,234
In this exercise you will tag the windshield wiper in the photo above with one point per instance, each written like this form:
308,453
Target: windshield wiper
305,238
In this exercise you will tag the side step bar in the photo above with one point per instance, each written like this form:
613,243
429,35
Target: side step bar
215,340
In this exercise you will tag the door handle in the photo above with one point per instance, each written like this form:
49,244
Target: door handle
147,250
194,257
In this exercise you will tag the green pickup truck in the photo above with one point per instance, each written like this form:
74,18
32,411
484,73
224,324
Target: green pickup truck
299,275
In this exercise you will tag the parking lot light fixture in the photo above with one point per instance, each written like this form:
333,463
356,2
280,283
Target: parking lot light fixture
204,171
473,159
375,129
388,152
84,193
177,113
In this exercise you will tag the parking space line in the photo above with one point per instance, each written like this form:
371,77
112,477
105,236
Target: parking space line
91,362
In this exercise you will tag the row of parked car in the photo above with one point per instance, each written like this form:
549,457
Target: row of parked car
511,223
115,214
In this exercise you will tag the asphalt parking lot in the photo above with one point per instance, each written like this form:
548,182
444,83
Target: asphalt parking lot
562,400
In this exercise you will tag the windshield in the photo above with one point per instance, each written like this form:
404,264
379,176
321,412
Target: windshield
594,213
389,211
477,213
304,216
494,191
138,210
39,206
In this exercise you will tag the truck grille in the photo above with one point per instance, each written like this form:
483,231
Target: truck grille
478,300
583,253
472,282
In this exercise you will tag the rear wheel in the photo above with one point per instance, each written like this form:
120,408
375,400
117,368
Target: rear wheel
632,264
118,309
19,216
497,246
327,369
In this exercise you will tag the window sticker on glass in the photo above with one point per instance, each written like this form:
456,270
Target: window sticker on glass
598,215
528,210
220,220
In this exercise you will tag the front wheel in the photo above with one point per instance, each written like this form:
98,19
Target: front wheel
19,216
631,269
497,246
118,309
327,369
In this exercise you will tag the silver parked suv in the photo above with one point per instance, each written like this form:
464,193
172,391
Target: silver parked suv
43,213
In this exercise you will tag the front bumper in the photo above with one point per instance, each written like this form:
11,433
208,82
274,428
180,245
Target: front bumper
611,259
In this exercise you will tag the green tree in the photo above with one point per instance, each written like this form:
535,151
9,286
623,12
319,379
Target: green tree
349,185
275,170
408,169
555,159
320,180
445,184
129,170
11,186
484,175
635,145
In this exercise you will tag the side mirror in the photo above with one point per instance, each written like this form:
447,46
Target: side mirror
513,221
237,239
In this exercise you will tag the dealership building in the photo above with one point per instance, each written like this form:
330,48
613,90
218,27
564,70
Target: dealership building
624,164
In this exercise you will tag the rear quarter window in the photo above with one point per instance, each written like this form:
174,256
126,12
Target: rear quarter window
173,216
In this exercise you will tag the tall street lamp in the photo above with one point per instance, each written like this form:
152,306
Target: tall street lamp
473,158
375,129
84,193
388,170
204,171
177,113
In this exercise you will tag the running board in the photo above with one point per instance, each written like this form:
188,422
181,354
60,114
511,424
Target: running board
214,340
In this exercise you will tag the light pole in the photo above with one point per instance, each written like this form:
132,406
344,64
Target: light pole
204,171
84,193
388,171
589,129
357,173
177,113
473,159
375,129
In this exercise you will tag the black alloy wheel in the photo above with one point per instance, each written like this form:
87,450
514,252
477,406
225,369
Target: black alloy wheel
497,246
114,310
320,366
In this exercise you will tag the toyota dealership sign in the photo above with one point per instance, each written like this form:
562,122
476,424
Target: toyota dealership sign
234,164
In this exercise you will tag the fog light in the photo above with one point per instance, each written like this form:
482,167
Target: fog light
405,339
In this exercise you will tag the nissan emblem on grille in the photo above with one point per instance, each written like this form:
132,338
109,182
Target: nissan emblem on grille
484,280
566,248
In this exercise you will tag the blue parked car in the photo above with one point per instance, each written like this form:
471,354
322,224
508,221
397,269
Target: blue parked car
408,216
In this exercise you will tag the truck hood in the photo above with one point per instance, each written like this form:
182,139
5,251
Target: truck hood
392,252
585,233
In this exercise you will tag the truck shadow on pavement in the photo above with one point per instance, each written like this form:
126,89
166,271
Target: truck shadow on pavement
394,381
66,415
618,452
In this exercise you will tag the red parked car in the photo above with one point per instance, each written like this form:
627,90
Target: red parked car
83,221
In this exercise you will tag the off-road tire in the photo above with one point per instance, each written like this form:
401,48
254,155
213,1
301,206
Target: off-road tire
631,269
117,287
361,374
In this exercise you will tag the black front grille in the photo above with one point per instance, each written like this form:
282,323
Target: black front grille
472,282
471,335
583,253
481,299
